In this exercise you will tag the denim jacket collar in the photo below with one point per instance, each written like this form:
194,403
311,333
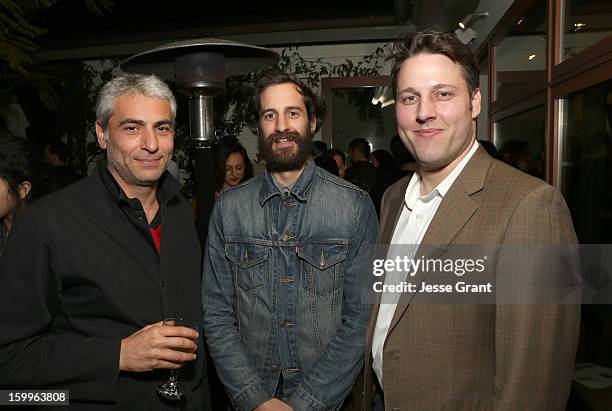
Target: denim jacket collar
299,189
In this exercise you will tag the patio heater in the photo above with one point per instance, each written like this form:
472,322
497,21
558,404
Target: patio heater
199,68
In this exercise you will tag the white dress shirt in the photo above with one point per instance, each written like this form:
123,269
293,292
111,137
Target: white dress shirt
417,213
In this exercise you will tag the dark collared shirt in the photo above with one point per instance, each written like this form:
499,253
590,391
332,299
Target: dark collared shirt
132,207
79,273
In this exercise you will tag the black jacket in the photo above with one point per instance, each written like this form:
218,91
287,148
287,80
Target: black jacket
78,274
362,174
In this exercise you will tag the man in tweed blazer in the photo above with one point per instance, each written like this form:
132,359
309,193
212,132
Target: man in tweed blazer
424,356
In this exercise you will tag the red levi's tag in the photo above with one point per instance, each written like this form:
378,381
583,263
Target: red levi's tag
156,234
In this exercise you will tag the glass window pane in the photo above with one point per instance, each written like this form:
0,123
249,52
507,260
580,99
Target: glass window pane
585,170
520,141
482,122
520,57
355,115
585,22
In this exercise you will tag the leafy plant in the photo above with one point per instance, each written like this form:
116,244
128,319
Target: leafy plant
232,108
79,85
18,37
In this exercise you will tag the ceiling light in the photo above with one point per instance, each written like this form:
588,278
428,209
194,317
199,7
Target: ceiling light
531,57
386,96
471,18
377,95
579,26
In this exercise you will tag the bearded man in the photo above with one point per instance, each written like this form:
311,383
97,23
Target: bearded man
284,317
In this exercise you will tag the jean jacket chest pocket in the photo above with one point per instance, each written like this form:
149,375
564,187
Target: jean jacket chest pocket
248,262
322,267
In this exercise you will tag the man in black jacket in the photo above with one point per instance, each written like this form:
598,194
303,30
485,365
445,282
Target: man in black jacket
361,172
90,272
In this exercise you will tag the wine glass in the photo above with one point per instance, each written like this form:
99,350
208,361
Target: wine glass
173,389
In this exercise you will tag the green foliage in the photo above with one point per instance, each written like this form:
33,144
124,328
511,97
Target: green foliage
79,85
17,47
76,111
17,35
233,108
99,7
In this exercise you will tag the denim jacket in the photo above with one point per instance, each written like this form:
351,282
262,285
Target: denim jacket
285,289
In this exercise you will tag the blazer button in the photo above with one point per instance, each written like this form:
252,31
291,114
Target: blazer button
274,369
161,284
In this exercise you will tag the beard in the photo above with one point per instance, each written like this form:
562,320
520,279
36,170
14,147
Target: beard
286,159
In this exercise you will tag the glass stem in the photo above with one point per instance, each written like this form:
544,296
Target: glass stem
173,375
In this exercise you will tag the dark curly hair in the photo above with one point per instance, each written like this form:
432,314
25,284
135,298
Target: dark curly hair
227,146
432,42
18,164
314,107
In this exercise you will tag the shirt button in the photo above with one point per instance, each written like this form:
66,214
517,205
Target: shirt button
287,237
274,369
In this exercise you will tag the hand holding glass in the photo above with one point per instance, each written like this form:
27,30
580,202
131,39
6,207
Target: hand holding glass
173,389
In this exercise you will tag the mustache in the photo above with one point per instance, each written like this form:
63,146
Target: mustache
286,135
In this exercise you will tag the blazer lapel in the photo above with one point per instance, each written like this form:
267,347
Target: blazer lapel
390,214
394,204
456,208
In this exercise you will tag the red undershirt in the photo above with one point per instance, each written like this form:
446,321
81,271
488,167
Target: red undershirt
156,234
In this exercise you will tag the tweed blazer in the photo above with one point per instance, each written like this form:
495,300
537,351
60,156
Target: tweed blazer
480,356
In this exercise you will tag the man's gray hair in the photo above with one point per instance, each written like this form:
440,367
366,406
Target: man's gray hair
131,84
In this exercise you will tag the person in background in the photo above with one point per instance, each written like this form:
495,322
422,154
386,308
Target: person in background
361,172
18,177
318,149
490,148
406,163
340,159
516,153
59,174
232,165
383,161
327,163
386,174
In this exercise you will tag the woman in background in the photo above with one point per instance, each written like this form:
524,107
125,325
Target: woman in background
18,175
232,165
340,159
